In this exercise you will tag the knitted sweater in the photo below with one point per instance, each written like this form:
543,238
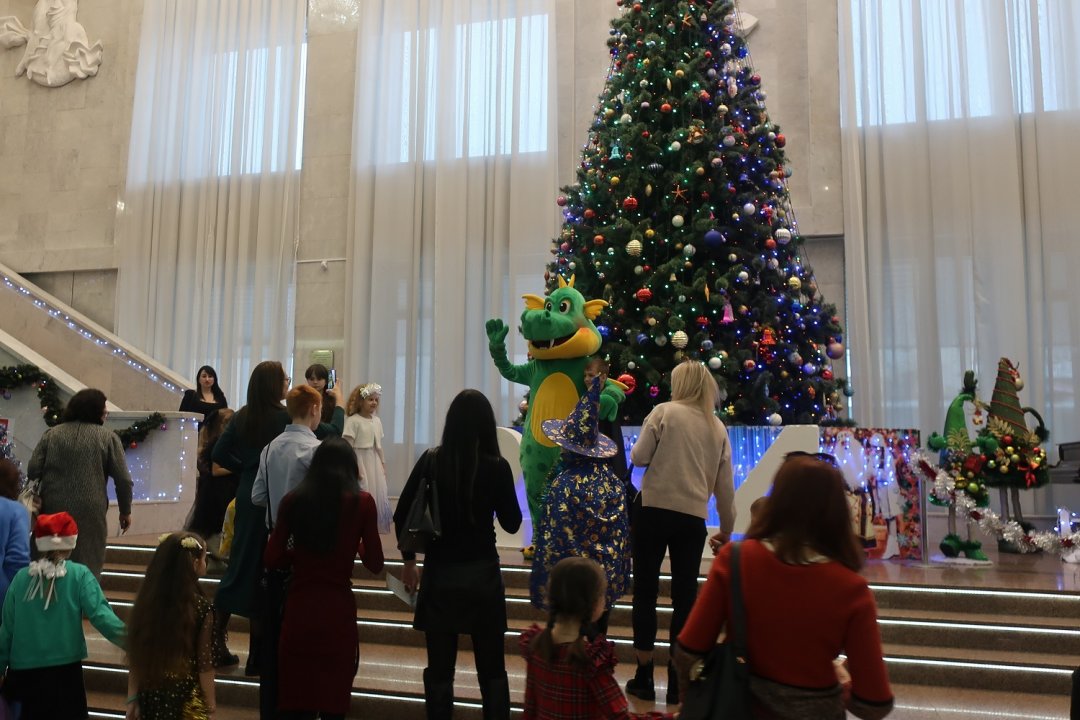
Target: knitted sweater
33,637
688,457
798,618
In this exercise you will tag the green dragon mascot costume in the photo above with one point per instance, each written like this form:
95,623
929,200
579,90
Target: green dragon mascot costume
562,337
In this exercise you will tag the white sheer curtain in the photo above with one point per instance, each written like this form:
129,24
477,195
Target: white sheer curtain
454,180
208,228
959,121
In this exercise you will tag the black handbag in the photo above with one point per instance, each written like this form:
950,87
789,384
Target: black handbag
721,690
422,524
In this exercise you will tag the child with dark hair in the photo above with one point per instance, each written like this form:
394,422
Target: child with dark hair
570,675
42,645
170,660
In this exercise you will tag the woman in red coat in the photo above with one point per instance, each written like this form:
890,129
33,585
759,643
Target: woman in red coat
330,522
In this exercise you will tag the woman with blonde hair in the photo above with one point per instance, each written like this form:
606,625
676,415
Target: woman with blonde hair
801,546
686,449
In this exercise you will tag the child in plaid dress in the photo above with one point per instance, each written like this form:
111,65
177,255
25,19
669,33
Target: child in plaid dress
571,676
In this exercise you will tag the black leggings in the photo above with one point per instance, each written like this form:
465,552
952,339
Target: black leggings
488,650
655,531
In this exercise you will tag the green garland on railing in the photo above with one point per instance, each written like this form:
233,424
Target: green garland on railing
17,376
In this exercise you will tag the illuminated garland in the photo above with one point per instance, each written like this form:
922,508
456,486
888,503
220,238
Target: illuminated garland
945,492
17,376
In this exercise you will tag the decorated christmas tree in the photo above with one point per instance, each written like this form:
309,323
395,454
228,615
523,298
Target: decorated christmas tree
680,218
7,446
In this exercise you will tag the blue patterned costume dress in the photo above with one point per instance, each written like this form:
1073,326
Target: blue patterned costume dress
584,515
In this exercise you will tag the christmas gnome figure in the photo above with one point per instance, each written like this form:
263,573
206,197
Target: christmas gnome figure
961,458
584,510
1015,460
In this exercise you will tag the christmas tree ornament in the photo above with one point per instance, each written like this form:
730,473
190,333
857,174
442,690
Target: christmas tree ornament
794,283
630,203
689,251
643,295
835,350
783,236
775,419
677,221
680,339
633,248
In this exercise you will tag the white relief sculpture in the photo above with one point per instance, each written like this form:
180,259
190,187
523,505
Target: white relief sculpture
57,50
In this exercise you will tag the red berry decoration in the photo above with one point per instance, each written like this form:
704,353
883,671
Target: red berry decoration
643,295
630,203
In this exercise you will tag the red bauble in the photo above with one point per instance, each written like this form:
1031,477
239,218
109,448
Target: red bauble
702,321
630,203
826,374
133,445
1007,439
749,365
704,96
637,7
645,134
770,244
665,108
628,380
643,295
781,141
589,213
598,239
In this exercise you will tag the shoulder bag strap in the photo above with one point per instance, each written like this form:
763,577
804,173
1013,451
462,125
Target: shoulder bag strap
269,501
738,610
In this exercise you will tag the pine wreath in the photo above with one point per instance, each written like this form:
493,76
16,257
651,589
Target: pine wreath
17,376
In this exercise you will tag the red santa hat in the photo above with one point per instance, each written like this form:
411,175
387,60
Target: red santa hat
56,531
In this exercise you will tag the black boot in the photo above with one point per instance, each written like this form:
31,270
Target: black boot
253,668
672,685
219,641
641,685
439,696
496,698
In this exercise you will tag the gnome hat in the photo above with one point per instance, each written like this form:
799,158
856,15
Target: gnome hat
56,531
579,433
1005,403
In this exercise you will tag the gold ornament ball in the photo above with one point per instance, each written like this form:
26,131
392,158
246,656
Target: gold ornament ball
1014,459
1010,450
614,180
794,283
700,170
651,321
650,233
680,339
634,248
679,73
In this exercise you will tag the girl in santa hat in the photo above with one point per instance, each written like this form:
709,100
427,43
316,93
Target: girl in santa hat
41,635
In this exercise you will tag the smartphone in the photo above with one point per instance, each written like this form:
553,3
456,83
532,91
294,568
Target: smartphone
332,380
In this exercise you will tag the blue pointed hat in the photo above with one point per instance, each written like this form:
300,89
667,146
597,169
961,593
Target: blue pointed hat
579,432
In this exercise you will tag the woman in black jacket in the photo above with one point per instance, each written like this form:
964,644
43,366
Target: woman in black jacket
462,590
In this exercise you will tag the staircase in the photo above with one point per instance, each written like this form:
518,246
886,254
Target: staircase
1017,647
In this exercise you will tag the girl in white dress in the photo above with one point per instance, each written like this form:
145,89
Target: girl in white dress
364,431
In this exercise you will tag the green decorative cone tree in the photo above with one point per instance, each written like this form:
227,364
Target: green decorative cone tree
680,218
